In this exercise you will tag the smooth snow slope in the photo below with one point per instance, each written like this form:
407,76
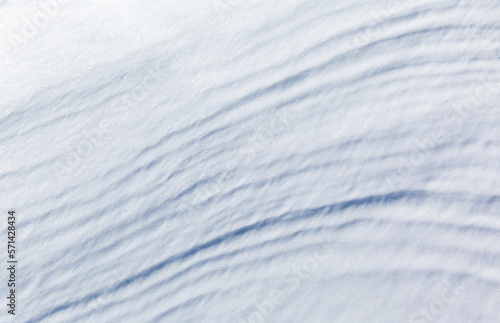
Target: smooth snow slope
252,161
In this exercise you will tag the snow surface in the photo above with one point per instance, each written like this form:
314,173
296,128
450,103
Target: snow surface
252,161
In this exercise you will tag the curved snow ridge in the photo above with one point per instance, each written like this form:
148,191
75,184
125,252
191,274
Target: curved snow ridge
282,221
290,162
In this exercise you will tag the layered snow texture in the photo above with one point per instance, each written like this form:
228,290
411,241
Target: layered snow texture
252,161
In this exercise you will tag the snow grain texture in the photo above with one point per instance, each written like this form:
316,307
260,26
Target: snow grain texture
230,161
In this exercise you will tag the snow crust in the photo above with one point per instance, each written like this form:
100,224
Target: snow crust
252,161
